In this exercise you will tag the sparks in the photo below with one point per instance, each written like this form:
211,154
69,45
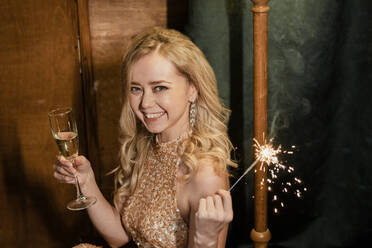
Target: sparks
267,154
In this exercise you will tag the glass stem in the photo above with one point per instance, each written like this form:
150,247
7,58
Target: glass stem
79,194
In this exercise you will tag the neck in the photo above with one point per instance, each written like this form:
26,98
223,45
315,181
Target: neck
166,139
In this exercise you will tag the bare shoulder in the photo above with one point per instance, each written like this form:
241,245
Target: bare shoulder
206,180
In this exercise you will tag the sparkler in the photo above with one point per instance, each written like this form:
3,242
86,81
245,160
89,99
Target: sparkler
267,153
245,173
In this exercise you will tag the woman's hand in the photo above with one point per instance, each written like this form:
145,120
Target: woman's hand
213,214
65,170
105,218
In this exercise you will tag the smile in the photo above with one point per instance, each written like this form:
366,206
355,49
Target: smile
154,115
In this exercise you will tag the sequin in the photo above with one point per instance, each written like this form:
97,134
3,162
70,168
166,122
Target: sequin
151,215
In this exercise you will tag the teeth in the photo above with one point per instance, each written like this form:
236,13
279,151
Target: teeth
154,115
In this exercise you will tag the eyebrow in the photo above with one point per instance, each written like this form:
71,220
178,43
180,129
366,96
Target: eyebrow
153,82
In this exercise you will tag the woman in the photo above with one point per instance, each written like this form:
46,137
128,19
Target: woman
172,181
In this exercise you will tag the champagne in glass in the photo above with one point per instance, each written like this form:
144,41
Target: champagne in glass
68,144
64,130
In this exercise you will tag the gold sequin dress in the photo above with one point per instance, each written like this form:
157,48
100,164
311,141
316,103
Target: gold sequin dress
151,215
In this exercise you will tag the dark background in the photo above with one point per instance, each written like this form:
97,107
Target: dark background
320,86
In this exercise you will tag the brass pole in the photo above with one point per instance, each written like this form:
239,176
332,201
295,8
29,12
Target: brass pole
260,234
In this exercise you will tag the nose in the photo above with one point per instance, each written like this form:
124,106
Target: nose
147,100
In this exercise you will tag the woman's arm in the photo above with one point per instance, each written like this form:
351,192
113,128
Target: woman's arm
211,208
103,215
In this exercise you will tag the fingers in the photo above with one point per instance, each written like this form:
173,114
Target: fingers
63,161
207,206
226,196
63,170
80,160
64,178
217,207
218,203
210,204
202,209
227,203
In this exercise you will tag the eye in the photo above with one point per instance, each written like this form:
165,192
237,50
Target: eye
160,88
134,89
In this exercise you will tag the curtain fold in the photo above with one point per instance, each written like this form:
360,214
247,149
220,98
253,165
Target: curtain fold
320,77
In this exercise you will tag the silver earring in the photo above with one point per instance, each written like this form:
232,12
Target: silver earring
192,113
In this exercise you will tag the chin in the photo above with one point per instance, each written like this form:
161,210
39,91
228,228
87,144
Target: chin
158,127
154,130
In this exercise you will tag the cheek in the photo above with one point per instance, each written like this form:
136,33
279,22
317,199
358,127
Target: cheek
134,104
181,99
166,101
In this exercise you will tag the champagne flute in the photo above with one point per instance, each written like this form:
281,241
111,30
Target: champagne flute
64,131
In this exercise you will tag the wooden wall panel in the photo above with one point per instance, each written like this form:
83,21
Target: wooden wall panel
112,23
39,70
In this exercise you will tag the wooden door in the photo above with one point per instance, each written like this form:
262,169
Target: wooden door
39,70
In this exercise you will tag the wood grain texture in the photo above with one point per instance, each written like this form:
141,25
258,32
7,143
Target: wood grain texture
88,92
260,235
112,24
39,70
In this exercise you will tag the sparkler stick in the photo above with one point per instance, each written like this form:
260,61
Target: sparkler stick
245,172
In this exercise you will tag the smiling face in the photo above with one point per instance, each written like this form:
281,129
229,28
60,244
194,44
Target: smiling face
160,96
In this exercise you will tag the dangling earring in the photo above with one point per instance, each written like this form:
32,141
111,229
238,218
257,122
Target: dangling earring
192,113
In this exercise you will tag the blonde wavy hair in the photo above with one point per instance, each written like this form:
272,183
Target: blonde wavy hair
209,137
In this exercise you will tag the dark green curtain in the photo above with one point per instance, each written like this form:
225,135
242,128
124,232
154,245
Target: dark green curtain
320,100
